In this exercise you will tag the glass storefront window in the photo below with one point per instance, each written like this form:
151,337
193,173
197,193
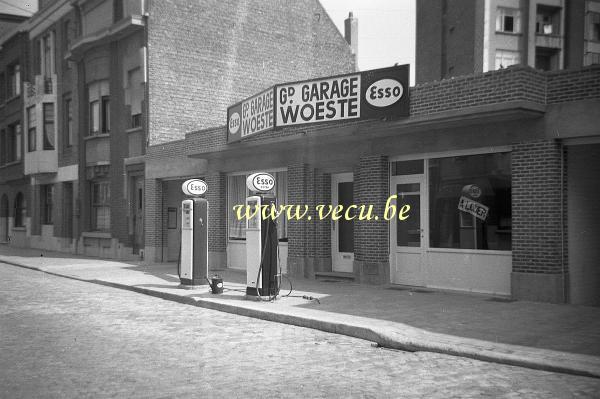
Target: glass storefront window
237,192
461,189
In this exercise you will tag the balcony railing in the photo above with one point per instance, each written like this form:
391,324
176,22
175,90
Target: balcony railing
42,85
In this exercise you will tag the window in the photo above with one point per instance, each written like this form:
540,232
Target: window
593,26
100,206
11,143
31,129
47,196
236,195
506,58
68,122
48,126
475,180
20,210
134,96
508,20
46,48
547,20
14,80
99,111
105,113
3,147
2,88
94,117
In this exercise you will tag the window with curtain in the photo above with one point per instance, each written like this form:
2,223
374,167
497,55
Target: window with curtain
236,195
48,126
481,180
31,129
99,108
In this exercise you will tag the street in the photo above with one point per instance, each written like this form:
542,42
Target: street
63,338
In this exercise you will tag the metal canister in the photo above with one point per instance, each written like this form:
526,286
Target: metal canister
216,284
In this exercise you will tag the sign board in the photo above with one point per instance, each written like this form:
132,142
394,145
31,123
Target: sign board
251,116
261,182
379,93
476,209
194,187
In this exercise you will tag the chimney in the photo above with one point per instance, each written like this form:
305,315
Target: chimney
351,33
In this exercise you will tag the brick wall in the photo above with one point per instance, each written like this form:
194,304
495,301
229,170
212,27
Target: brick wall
154,216
509,84
297,194
371,182
538,206
217,217
206,56
574,85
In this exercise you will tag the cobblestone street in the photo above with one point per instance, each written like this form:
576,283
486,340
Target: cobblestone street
66,338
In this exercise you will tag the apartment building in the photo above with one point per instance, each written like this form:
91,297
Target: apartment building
463,37
107,79
14,186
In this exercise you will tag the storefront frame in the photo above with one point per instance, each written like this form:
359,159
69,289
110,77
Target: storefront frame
475,270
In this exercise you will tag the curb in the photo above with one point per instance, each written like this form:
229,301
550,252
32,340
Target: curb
421,340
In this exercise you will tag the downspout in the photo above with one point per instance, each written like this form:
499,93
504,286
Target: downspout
562,222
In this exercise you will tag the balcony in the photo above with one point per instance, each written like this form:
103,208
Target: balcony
41,161
103,24
41,90
549,41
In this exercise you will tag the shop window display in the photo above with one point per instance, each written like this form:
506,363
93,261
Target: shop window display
461,189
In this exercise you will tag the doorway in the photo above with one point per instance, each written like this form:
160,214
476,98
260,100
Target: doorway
342,231
4,214
407,236
137,212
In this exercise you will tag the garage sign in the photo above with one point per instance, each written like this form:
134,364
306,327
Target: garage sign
375,94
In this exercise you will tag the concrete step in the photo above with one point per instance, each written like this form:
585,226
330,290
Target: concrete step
335,276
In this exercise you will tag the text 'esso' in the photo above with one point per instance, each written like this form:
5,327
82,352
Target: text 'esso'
384,93
260,182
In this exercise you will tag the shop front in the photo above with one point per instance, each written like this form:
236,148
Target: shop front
441,245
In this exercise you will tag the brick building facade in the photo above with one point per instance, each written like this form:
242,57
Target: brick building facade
518,134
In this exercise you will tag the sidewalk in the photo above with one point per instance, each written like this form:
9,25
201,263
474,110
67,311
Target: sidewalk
564,338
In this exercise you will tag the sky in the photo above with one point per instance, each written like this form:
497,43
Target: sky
386,30
18,7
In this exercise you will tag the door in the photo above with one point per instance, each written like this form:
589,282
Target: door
407,237
342,231
138,213
4,214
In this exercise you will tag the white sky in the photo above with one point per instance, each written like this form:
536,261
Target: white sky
386,30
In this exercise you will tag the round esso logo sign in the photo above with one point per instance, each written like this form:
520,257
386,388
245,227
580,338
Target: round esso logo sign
234,123
384,93
472,190
194,187
260,182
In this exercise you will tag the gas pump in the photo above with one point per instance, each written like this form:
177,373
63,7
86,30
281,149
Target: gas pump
261,239
193,268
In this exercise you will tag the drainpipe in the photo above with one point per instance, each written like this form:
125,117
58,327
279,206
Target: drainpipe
562,222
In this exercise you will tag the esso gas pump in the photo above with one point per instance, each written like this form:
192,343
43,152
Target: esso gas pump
261,239
193,266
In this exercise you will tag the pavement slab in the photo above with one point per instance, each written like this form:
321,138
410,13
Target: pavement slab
560,338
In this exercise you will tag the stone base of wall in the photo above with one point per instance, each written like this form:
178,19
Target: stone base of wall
306,267
377,273
538,287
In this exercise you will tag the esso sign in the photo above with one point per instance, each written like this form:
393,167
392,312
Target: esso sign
472,190
384,92
260,182
234,123
194,187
